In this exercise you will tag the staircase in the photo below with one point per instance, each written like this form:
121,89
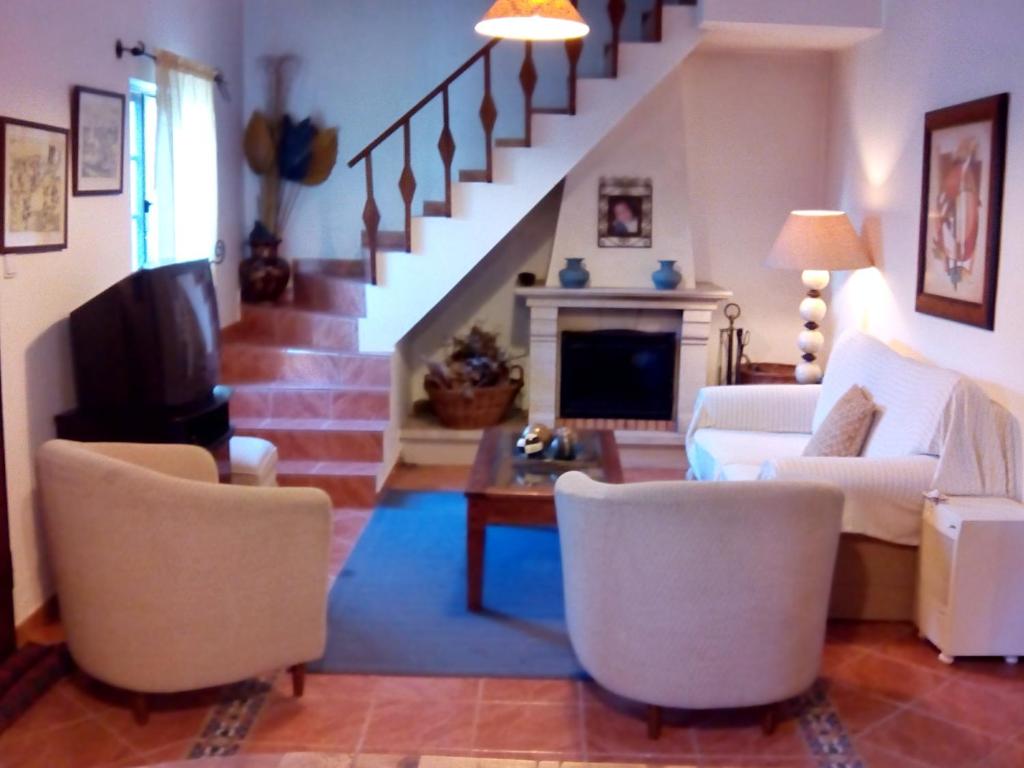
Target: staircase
312,374
300,382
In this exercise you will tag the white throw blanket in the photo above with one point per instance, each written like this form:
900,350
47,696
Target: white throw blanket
978,443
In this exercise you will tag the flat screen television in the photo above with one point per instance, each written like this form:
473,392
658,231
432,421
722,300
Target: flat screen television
149,342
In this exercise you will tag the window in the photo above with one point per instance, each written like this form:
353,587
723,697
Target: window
142,164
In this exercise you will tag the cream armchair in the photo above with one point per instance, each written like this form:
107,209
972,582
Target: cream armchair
170,582
698,595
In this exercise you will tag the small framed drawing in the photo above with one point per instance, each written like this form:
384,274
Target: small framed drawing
624,213
961,211
34,191
97,141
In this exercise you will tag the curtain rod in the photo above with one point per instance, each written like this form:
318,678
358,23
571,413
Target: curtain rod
139,49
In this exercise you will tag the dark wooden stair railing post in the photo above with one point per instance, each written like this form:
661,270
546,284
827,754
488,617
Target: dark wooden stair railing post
573,49
446,146
528,79
616,13
488,116
407,185
659,16
371,218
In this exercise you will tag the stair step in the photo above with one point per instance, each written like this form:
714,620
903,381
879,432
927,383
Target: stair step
509,143
387,240
287,325
264,401
354,269
436,207
349,483
318,439
319,292
247,363
473,176
551,111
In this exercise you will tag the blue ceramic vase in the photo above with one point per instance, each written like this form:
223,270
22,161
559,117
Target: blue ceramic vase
574,275
667,277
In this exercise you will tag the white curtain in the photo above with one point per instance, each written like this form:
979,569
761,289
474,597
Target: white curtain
186,159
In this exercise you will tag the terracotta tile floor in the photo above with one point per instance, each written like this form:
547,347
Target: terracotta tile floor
898,705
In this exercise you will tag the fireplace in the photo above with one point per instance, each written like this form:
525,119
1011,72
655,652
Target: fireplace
618,374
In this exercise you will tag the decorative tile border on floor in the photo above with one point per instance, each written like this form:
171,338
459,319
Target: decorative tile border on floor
824,731
231,720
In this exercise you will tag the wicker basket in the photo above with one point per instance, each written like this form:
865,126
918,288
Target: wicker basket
475,408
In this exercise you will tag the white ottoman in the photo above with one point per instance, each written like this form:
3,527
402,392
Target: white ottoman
253,461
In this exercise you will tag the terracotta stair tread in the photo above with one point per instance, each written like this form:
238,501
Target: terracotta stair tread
318,425
387,240
288,306
295,467
272,347
510,143
473,176
345,269
291,386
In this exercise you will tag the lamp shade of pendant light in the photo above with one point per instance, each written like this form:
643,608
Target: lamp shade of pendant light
533,20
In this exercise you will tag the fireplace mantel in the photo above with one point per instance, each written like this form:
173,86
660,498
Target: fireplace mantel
686,312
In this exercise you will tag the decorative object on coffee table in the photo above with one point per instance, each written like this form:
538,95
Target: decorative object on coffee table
816,242
961,211
476,383
574,275
625,213
287,156
667,277
534,440
565,444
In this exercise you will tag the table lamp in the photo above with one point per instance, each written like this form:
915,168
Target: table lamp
816,242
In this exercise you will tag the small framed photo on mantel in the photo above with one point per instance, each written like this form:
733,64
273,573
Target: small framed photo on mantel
961,211
97,139
625,212
34,187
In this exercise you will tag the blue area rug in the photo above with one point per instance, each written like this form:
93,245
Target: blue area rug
399,606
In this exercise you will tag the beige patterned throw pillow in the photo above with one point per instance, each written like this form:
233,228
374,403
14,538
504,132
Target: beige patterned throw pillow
845,429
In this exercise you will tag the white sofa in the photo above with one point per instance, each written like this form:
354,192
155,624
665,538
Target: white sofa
759,432
698,595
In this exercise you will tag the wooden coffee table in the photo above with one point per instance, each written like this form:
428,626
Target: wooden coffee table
507,488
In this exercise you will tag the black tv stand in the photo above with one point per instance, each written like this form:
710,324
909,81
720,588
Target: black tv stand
207,425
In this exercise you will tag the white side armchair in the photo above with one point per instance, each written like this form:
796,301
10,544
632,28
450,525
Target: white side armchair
698,595
170,582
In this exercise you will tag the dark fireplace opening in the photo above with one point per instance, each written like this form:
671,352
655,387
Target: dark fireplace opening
618,375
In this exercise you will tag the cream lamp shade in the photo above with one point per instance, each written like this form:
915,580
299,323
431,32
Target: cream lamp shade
533,20
816,242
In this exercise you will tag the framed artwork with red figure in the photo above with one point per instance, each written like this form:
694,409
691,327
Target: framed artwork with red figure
961,211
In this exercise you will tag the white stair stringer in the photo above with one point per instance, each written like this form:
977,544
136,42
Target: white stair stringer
445,250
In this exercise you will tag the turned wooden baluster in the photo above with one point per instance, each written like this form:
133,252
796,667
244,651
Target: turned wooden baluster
371,218
573,49
446,146
488,116
659,15
528,79
616,13
407,186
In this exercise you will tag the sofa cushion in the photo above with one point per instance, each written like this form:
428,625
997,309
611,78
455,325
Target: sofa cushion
732,454
910,397
846,427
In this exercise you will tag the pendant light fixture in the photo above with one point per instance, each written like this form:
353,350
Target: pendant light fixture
533,20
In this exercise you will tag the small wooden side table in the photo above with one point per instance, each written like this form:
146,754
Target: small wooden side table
766,373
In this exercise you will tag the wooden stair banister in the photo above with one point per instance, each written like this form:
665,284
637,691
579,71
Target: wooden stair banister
488,112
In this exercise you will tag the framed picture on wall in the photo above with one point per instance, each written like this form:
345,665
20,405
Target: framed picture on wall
97,141
961,211
625,212
34,190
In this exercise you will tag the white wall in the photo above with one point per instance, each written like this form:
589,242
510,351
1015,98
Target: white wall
734,141
486,296
756,128
648,143
951,52
46,47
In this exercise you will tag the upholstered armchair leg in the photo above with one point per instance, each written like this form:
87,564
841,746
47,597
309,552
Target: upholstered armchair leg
140,708
654,721
298,673
770,718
